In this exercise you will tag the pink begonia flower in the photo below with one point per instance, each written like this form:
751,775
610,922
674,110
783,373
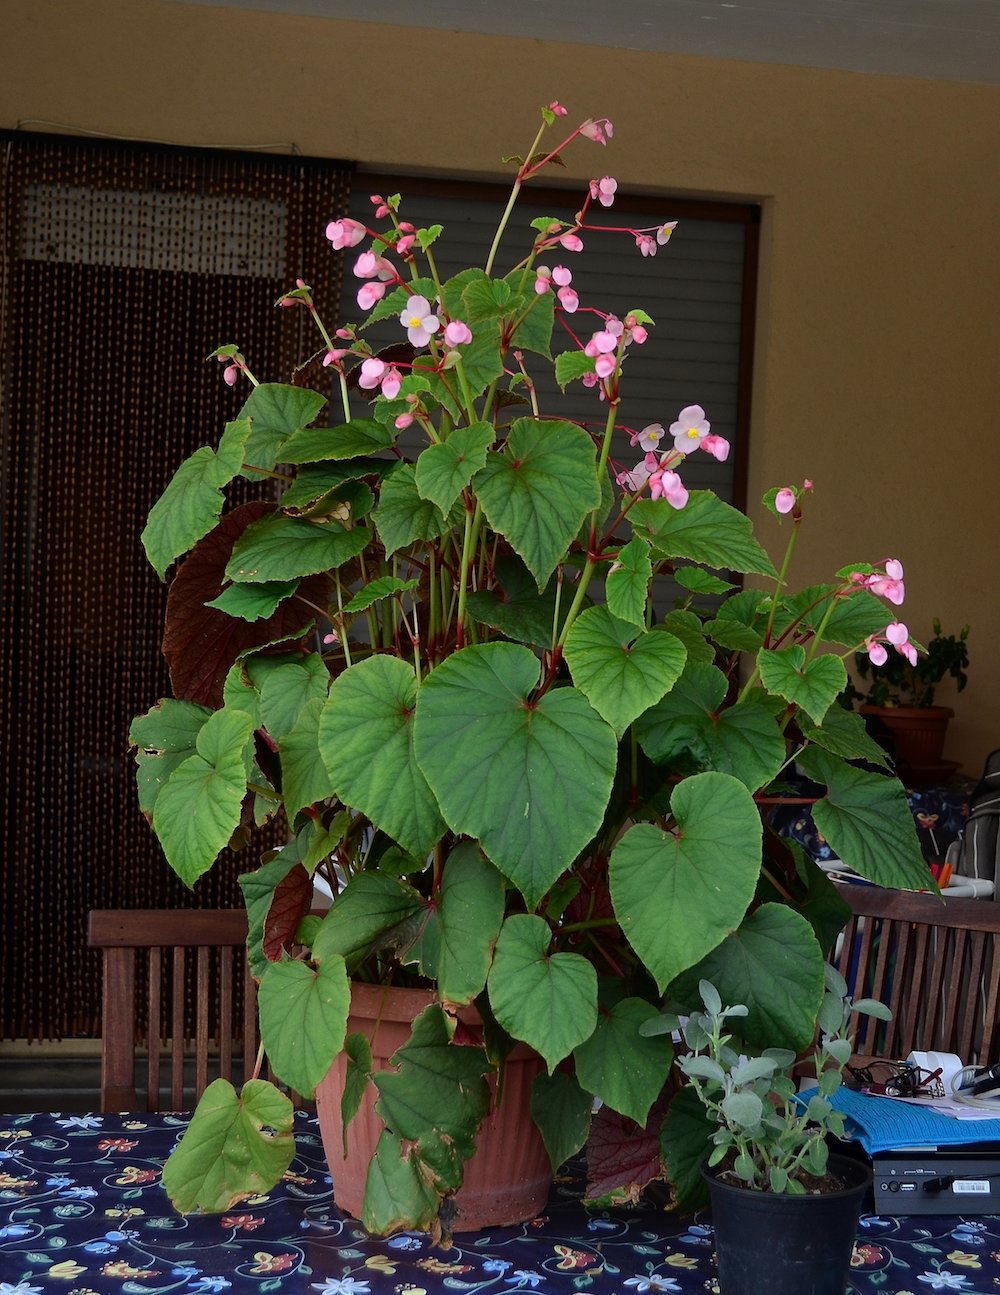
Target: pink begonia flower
345,233
890,585
405,243
877,654
370,266
333,357
601,343
562,275
640,474
369,294
418,320
899,636
391,383
604,190
664,232
543,279
599,131
457,334
784,500
614,326
650,436
568,299
668,485
717,446
645,244
372,373
571,242
690,429
556,107
230,373
380,205
637,334
403,422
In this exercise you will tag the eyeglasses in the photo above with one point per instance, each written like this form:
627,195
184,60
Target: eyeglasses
896,1079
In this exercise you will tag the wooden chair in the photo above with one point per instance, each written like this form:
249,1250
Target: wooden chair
934,962
168,967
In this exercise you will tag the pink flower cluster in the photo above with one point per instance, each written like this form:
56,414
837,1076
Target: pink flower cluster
562,278
898,635
690,431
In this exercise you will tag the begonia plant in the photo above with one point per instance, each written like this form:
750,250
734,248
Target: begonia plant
438,645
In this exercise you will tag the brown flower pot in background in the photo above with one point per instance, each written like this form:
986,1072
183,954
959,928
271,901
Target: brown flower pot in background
509,1176
917,734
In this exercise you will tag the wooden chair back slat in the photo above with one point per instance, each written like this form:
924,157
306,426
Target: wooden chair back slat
196,1028
935,962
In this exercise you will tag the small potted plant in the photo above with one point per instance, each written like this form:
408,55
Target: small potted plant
436,651
781,1203
899,697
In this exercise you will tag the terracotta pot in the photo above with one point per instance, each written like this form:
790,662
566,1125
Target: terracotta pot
918,734
509,1176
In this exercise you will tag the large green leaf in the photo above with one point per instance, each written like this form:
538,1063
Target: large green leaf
303,1018
742,740
514,606
481,363
627,583
624,1068
276,411
867,821
773,963
470,908
370,905
190,505
529,777
677,895
548,1000
402,516
706,530
225,1153
445,469
397,1194
538,491
286,683
843,733
620,670
854,617
366,742
436,1097
254,602
282,548
304,777
198,808
813,685
164,738
361,436
562,1110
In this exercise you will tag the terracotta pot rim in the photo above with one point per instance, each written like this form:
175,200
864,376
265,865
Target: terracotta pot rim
909,712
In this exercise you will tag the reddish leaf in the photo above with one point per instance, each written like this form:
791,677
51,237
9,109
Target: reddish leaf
292,897
621,1156
201,643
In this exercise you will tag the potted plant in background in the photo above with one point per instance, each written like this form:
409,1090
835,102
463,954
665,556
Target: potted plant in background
538,796
899,698
782,1205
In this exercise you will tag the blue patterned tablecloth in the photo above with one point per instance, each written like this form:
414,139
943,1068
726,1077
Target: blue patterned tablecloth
82,1212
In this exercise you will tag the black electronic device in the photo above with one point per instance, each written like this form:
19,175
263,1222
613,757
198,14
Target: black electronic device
928,1180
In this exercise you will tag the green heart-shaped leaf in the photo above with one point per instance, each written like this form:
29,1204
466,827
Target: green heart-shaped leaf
369,905
548,1000
164,738
401,515
813,685
627,585
350,440
676,893
620,671
303,1018
538,491
626,1069
445,469
470,907
276,411
705,530
536,790
225,1154
366,742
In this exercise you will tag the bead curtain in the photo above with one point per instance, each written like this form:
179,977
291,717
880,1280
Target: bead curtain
123,267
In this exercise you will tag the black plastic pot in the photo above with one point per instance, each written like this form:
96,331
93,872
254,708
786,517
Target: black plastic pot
787,1245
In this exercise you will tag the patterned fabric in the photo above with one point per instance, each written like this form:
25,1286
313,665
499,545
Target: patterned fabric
82,1212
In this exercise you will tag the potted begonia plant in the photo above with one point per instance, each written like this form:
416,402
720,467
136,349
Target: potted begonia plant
538,796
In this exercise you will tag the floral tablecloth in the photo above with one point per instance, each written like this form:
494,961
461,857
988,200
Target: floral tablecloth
82,1212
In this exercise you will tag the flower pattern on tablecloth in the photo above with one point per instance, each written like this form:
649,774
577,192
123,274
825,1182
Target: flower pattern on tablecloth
83,1212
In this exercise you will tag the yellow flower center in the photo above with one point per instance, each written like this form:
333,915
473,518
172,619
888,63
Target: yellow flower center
693,433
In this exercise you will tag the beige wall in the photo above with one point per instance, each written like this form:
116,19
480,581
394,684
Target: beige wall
880,274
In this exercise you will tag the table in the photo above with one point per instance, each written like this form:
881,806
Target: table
82,1212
